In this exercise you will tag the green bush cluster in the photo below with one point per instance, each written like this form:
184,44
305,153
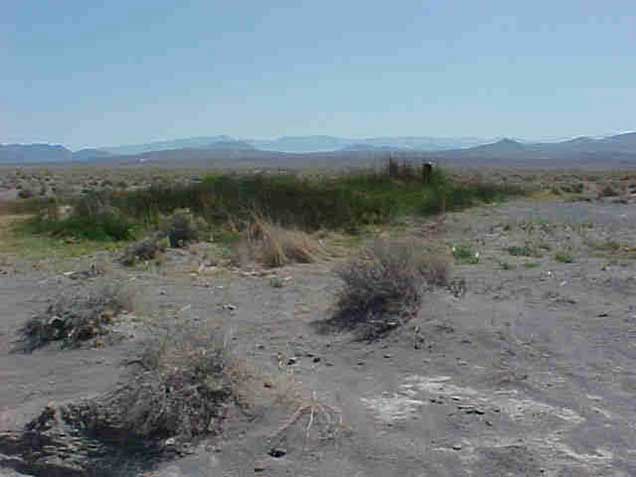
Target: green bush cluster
345,202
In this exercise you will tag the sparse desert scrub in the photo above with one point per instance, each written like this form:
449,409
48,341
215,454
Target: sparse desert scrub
175,392
385,285
275,246
76,317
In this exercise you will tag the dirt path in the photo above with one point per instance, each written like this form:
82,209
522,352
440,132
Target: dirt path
529,372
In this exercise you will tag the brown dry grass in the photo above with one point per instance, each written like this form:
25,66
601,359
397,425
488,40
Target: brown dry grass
275,246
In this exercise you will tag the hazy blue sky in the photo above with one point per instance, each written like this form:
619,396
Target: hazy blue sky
81,73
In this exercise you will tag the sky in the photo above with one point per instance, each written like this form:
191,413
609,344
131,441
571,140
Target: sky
84,73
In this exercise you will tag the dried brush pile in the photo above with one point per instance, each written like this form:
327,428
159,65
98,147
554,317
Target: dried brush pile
74,318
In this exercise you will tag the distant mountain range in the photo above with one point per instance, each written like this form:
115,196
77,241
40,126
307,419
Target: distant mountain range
616,149
299,144
619,146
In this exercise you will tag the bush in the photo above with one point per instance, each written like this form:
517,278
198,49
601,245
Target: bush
75,318
464,254
309,203
143,250
182,228
176,393
608,190
93,218
384,286
345,201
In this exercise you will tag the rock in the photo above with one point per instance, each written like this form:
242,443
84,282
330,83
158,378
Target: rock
277,452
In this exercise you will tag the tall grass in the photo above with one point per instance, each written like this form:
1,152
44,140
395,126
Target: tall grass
314,202
346,201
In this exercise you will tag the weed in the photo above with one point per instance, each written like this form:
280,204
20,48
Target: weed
465,255
564,256
506,266
517,251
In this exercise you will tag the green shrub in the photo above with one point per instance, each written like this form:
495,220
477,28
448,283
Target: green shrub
93,218
564,256
464,254
345,202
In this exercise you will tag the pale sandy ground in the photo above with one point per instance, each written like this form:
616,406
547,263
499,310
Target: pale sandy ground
530,373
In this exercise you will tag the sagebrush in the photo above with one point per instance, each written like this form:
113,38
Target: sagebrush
385,285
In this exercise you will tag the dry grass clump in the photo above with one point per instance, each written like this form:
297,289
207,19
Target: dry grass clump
275,246
74,318
384,286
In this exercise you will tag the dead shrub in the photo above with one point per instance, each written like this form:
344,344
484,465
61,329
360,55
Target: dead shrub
74,318
177,391
275,246
384,286
144,250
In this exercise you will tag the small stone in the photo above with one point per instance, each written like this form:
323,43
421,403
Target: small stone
316,359
291,361
277,452
457,447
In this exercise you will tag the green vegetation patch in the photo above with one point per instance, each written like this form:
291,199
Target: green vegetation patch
230,202
465,254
